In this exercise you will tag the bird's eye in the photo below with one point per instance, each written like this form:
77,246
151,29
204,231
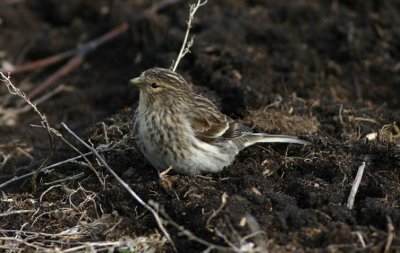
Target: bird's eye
155,85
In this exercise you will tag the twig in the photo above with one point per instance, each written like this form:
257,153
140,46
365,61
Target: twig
390,236
224,199
9,115
360,238
89,164
365,119
74,177
185,48
43,120
38,248
14,179
66,69
340,114
87,47
100,150
48,190
41,63
125,185
16,212
356,184
78,58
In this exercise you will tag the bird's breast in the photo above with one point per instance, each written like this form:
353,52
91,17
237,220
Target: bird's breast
162,136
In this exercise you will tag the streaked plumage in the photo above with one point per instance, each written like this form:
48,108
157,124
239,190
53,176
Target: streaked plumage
175,127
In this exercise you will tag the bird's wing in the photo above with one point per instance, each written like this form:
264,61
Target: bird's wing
209,124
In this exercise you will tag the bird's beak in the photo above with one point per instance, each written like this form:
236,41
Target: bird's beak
138,81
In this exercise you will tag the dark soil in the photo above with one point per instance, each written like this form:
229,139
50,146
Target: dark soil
327,71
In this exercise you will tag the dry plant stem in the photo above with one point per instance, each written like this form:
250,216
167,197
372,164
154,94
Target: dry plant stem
125,185
87,47
92,168
10,113
70,66
224,199
43,120
74,177
38,248
42,62
14,179
356,184
78,58
16,212
187,44
361,239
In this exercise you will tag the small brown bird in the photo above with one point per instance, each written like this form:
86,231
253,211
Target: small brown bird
175,127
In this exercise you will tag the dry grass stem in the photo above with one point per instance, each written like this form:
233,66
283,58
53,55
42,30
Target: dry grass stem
185,48
16,212
125,185
43,120
356,184
47,168
45,124
224,200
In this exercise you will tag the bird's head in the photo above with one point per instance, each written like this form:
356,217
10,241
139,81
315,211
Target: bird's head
161,86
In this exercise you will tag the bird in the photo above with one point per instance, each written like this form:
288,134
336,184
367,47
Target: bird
175,127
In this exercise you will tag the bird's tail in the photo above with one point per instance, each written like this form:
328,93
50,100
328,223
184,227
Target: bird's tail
252,138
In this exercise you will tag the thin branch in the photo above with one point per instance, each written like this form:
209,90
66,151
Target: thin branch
125,185
38,248
70,66
14,179
41,63
85,48
185,48
78,58
100,150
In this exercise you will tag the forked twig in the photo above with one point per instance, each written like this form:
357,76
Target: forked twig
185,48
125,185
